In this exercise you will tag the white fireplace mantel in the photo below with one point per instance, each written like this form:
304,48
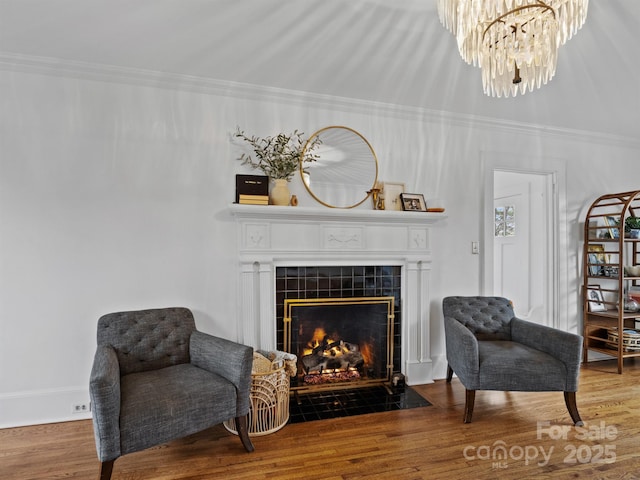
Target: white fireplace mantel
272,236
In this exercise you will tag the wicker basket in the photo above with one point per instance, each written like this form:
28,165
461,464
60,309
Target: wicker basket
269,397
630,339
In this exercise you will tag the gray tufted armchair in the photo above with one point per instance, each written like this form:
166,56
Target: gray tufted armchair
489,348
156,378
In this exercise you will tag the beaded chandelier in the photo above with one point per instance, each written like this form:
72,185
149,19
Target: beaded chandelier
515,42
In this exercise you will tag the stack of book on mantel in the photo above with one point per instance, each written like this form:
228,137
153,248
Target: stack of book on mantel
252,189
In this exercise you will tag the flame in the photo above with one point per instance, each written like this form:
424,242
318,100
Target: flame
318,338
319,334
367,354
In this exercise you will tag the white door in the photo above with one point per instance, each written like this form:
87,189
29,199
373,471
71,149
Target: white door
521,239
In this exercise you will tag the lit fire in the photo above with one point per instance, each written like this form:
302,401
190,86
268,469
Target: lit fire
320,339
328,360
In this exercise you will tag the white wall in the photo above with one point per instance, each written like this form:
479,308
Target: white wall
113,195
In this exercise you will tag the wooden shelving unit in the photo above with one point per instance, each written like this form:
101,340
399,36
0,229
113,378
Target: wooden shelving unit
606,252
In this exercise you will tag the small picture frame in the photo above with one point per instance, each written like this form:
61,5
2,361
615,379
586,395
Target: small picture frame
595,299
413,202
597,258
612,222
594,268
392,192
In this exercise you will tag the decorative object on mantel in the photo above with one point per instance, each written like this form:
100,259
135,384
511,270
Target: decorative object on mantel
435,205
280,194
377,196
392,192
413,202
278,157
345,170
515,42
252,189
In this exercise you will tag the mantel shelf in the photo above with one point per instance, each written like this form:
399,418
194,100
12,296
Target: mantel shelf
294,214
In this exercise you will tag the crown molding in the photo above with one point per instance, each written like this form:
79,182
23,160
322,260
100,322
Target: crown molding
174,81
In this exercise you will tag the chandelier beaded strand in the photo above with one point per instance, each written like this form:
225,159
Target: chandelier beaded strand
515,42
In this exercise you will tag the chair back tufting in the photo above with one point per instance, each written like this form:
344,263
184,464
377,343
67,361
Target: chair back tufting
486,317
148,339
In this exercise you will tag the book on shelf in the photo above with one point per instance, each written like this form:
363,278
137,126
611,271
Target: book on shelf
252,187
253,199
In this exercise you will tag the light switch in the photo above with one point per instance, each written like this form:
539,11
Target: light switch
475,248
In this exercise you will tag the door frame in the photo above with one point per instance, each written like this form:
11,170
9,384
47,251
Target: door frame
558,247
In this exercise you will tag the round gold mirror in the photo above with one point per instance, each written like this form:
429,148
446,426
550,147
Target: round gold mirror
345,169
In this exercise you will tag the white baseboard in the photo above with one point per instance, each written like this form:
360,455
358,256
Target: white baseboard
598,357
419,373
43,406
439,367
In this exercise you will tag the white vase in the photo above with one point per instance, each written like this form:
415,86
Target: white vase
280,194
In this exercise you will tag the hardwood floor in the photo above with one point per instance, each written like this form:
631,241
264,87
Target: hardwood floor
423,443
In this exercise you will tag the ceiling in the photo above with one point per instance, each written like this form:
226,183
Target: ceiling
390,51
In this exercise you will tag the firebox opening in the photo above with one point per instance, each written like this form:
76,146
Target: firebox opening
340,342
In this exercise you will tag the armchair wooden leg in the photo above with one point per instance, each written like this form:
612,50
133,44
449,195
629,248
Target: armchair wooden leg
243,432
470,398
570,401
449,373
105,470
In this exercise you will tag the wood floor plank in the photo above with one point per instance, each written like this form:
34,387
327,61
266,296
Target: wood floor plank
417,444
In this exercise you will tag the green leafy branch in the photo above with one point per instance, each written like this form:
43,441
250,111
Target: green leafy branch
278,157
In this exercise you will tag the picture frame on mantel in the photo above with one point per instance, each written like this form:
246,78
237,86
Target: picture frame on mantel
413,202
391,192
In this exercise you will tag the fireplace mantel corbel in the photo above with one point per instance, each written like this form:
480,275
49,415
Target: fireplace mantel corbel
271,236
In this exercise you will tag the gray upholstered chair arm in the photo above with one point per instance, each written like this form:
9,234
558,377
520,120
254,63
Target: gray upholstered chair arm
104,389
229,359
462,350
564,346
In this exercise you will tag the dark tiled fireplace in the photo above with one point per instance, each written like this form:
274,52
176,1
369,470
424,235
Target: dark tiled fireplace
341,322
